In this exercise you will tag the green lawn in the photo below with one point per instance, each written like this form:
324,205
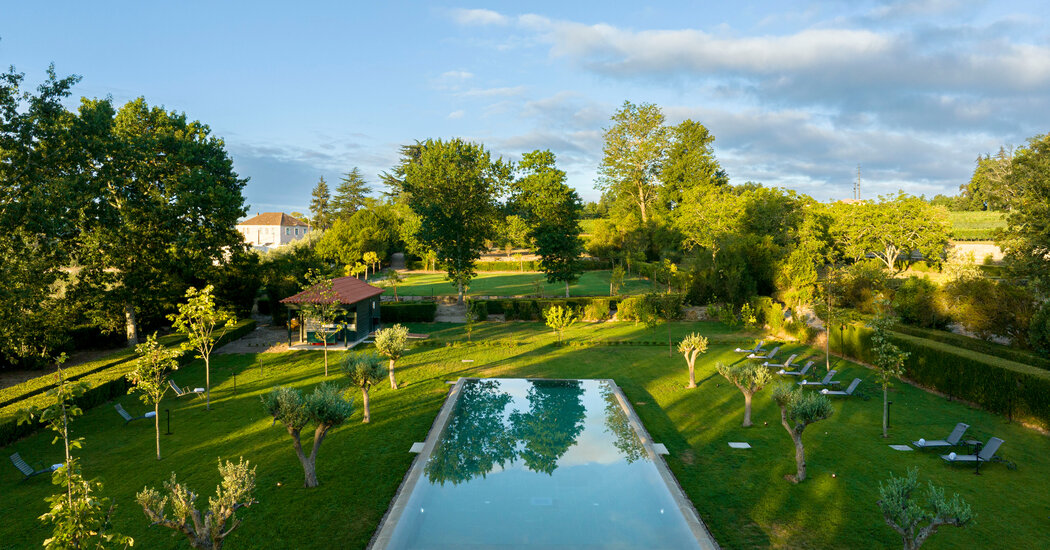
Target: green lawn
741,495
976,226
591,283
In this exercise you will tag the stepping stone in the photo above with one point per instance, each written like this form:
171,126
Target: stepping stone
466,360
901,448
417,447
660,449
739,445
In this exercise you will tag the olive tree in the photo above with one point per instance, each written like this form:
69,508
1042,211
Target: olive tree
749,378
208,528
909,518
690,347
198,319
798,409
150,376
326,407
363,370
392,343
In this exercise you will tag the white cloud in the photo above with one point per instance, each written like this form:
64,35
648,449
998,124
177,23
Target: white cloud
508,91
456,114
478,17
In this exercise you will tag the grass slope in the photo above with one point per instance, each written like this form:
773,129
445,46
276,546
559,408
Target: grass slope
976,226
741,495
591,283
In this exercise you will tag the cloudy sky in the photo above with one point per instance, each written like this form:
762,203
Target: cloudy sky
797,94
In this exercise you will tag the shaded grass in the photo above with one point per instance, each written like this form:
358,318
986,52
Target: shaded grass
741,495
591,283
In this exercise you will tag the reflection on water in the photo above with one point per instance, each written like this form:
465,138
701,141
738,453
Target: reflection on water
554,421
617,423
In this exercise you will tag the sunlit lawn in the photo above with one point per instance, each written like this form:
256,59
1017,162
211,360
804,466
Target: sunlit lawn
591,283
976,225
741,495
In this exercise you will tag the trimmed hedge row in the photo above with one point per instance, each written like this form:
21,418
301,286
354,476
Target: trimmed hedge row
589,264
103,385
407,312
996,384
976,344
531,309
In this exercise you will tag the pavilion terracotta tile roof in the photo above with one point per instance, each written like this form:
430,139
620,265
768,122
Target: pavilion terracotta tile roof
349,290
273,218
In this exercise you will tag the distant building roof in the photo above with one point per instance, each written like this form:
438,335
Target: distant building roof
348,290
273,218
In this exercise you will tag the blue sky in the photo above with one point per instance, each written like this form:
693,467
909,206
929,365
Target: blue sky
796,94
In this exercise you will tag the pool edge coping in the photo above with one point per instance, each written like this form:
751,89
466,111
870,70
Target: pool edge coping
381,538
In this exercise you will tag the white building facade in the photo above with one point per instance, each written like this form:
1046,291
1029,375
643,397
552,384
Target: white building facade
272,229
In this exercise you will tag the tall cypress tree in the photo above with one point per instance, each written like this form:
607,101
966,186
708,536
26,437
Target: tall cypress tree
320,206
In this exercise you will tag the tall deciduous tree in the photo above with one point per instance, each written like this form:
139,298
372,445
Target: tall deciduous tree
326,407
893,229
209,528
914,522
552,210
692,345
363,370
150,376
321,206
350,195
1026,239
749,378
633,151
452,187
690,165
367,230
199,319
799,409
392,342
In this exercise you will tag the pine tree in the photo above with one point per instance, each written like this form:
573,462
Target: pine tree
350,195
320,206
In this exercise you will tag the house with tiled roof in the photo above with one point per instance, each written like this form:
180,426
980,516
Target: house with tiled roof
272,229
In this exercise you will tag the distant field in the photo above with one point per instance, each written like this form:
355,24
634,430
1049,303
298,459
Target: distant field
592,283
975,226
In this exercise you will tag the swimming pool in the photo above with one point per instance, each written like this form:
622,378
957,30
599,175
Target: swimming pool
515,463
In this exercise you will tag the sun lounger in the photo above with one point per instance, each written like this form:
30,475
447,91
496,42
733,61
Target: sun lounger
179,392
757,348
950,441
785,365
848,391
127,417
769,355
803,372
986,454
827,381
29,471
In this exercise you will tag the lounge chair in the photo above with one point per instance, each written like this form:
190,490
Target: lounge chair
827,381
29,471
757,348
848,391
127,417
803,372
986,454
950,441
769,355
785,365
179,392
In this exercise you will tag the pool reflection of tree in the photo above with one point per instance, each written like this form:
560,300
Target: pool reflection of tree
477,439
617,423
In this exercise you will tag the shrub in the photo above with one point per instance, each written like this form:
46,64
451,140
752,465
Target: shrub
596,310
478,309
407,312
1039,329
991,308
775,317
918,302
799,329
860,285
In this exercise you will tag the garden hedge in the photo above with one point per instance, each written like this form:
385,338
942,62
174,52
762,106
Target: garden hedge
103,384
407,312
996,384
976,344
531,309
589,264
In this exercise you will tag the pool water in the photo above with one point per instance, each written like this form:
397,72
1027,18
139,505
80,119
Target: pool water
540,464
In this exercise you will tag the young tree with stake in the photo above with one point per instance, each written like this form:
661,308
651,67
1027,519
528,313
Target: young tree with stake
690,347
559,318
888,358
392,343
198,319
799,409
323,307
750,379
206,529
363,370
326,407
150,377
912,521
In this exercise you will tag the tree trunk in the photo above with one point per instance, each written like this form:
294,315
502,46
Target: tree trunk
461,293
207,383
393,381
747,410
156,425
566,289
131,325
800,458
692,376
308,462
641,203
325,346
395,293
364,397
885,412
